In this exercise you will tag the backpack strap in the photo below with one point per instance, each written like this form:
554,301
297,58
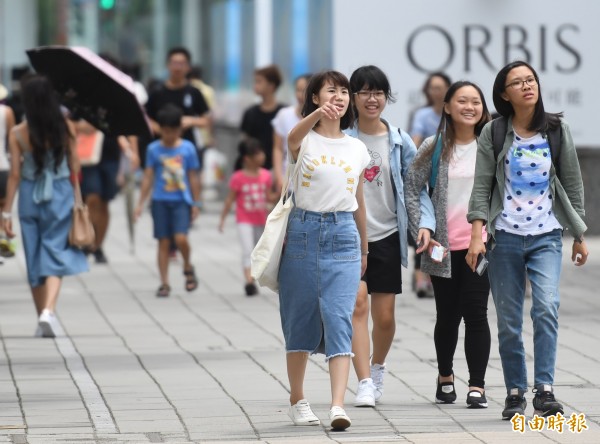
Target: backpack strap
554,137
499,127
435,163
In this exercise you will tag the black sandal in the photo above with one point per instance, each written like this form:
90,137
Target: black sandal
191,282
163,291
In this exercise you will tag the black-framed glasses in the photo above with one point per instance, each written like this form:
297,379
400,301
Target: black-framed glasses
365,95
518,84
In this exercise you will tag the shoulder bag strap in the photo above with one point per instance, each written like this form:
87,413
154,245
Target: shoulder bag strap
293,170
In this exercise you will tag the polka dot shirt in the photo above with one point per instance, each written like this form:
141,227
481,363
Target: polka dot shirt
527,197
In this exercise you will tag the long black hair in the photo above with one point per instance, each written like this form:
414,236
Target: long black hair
541,120
48,129
446,130
446,127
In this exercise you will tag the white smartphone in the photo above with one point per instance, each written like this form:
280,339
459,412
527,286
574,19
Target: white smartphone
437,253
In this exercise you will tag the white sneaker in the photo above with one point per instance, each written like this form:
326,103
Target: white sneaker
302,415
38,332
339,419
377,371
49,324
365,394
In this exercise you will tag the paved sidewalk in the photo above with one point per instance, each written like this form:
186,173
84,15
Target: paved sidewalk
209,366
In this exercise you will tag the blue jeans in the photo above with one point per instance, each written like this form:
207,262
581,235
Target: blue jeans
511,259
318,281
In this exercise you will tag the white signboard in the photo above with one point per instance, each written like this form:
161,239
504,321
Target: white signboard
472,40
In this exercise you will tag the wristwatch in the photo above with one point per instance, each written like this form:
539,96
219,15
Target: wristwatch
578,239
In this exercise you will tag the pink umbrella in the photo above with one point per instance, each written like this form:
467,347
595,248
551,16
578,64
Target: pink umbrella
92,88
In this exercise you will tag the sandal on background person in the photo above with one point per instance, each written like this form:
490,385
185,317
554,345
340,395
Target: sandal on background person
191,282
163,291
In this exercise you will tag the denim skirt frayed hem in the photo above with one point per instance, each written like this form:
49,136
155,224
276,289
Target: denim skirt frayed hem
318,282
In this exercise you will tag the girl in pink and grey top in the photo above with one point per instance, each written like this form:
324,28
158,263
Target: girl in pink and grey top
459,292
250,188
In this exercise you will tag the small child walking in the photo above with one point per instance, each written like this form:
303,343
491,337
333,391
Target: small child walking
172,173
250,188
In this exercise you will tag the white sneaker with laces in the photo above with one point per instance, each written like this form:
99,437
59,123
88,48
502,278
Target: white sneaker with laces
339,419
377,372
49,324
302,415
365,394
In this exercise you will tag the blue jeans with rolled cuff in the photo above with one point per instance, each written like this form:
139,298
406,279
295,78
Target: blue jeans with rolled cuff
512,259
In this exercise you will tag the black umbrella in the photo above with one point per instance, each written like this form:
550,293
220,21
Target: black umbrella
92,89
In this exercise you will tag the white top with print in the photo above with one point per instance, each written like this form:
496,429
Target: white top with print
329,173
527,198
379,193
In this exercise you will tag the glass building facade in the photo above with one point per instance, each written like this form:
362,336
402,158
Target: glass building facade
228,38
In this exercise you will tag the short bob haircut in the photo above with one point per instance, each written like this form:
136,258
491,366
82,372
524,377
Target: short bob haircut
317,82
371,78
272,73
541,121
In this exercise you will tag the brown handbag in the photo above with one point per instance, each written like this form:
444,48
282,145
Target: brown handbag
81,234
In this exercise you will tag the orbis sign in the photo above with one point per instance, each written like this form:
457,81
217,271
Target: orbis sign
472,40
475,42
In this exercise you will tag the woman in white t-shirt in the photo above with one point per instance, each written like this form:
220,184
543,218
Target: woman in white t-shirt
459,292
325,250
283,122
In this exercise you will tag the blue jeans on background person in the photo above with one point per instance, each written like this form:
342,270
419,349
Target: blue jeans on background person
511,259
318,281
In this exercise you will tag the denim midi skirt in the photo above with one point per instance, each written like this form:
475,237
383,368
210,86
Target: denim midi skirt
318,281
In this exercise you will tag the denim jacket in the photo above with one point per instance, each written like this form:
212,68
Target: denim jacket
567,191
402,153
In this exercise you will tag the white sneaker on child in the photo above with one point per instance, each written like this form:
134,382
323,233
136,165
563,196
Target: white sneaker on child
377,372
365,394
302,415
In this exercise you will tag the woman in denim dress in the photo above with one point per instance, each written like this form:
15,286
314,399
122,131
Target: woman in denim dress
46,144
326,244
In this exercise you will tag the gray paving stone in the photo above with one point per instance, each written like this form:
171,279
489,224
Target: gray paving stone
209,366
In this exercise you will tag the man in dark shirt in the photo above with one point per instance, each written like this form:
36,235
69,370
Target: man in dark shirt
178,91
256,122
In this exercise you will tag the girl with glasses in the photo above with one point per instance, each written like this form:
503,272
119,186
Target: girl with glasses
525,206
391,151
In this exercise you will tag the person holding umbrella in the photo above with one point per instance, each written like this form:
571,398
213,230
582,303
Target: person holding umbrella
45,142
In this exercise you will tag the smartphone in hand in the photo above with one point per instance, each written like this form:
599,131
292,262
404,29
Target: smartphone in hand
482,264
